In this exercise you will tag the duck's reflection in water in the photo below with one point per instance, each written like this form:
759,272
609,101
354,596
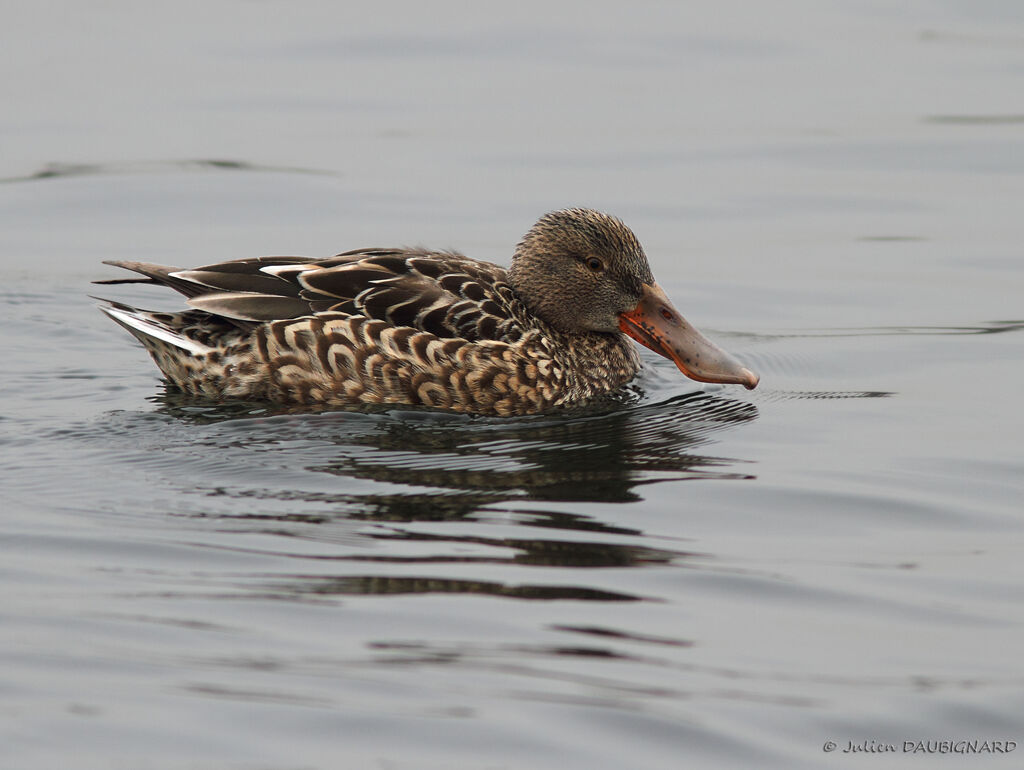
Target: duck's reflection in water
486,475
598,458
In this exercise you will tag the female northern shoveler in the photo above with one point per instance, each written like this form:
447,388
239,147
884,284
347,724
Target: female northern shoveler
408,326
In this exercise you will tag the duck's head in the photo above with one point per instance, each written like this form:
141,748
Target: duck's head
583,271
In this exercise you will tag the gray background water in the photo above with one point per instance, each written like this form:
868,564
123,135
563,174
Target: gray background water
707,577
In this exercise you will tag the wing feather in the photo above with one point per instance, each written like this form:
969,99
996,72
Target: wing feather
223,280
251,307
444,293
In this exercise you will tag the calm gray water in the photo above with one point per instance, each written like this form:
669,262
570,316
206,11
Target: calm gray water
704,577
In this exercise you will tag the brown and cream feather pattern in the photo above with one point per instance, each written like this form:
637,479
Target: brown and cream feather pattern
382,326
430,328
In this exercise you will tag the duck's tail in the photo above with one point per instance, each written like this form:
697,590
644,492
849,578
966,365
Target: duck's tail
151,329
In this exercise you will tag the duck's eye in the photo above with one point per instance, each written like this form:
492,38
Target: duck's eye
595,265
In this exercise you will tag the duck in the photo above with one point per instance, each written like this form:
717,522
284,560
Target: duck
417,327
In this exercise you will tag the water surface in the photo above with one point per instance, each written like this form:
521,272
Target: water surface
699,575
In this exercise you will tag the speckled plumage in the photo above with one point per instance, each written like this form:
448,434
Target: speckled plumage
406,326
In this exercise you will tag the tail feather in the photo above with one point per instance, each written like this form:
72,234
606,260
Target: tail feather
147,327
159,274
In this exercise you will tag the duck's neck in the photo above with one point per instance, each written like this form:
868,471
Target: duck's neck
595,363
589,363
